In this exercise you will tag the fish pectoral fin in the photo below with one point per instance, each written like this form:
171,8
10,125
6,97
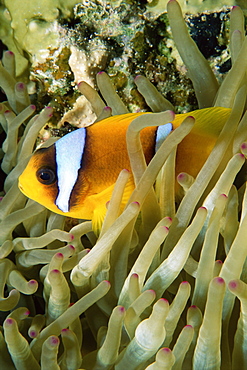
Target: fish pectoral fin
128,190
100,200
98,219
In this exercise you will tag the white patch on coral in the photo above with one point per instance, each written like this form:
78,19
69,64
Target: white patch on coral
84,65
81,115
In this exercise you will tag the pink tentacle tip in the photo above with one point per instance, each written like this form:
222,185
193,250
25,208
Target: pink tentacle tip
121,309
137,77
54,340
193,306
136,203
241,155
33,107
9,321
101,72
203,208
9,53
233,284
59,255
224,195
55,271
32,333
64,331
32,282
72,237
71,247
173,114
219,280
164,300
184,282
166,350
20,86
243,146
166,228
49,110
189,326
181,176
134,276
107,108
219,262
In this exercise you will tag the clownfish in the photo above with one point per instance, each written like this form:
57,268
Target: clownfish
75,176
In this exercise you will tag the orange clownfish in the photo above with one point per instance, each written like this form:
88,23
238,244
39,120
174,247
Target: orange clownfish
76,175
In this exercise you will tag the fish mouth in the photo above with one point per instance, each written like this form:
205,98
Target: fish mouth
21,188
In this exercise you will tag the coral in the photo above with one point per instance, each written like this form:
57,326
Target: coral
32,22
116,36
164,284
156,7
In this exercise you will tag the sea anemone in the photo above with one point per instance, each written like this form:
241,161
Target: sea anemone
157,288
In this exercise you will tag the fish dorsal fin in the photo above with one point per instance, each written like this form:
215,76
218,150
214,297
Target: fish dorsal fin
69,152
161,134
209,121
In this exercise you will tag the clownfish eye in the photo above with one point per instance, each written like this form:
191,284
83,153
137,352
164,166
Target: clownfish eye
46,176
